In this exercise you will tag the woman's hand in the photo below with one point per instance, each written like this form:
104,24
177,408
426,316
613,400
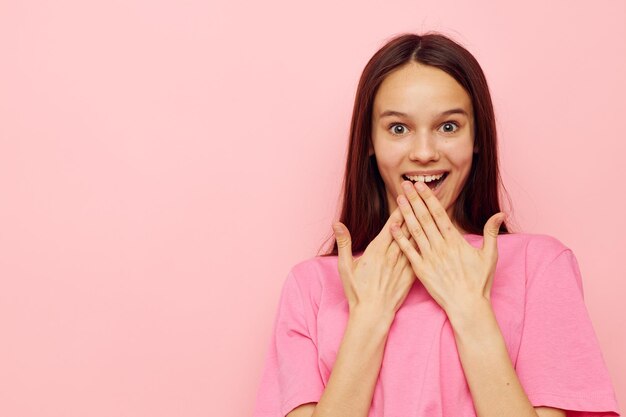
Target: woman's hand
380,279
455,273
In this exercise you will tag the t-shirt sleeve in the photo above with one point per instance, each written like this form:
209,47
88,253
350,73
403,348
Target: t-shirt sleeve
559,362
291,376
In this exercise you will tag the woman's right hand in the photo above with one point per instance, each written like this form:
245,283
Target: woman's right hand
380,279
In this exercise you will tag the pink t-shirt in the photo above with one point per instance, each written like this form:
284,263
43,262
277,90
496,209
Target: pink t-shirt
537,297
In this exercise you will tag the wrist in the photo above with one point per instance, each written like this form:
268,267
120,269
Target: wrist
471,315
371,317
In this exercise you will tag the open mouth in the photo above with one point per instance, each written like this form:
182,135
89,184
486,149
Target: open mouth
433,185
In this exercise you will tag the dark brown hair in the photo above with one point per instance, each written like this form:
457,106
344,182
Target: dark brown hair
364,204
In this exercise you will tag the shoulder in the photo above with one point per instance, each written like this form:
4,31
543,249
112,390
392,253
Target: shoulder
540,256
316,276
527,252
534,246
314,266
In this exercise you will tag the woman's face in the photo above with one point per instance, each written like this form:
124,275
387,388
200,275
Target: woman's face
423,123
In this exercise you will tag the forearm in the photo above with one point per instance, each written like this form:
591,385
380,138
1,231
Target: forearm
353,378
493,382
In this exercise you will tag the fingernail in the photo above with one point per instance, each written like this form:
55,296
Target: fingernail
421,186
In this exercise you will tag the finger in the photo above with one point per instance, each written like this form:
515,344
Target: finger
409,251
344,247
438,212
402,262
393,253
422,214
407,234
393,250
414,226
404,271
385,235
405,231
491,231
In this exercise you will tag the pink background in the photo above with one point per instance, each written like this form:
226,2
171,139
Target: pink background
163,164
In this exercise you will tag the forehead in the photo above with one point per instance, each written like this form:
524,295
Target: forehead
422,90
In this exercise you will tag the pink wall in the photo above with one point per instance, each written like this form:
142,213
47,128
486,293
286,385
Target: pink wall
164,164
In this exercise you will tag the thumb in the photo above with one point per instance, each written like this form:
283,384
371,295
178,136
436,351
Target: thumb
490,231
344,246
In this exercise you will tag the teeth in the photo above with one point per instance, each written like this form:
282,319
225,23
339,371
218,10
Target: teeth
424,178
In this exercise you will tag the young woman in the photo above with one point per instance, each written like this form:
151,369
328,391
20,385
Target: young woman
427,305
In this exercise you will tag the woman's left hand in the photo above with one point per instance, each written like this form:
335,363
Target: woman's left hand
456,274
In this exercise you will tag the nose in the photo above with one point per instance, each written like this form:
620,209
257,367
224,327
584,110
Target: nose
424,148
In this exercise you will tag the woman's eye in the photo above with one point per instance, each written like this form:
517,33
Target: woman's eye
449,127
398,129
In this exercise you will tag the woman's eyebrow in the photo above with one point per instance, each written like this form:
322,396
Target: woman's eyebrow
458,110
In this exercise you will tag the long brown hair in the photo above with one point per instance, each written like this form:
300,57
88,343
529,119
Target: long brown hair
364,204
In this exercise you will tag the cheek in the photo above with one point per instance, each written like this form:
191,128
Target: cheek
389,164
389,157
461,156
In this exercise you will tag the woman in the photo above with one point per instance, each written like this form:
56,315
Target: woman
431,317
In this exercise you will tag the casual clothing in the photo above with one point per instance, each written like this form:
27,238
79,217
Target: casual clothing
537,298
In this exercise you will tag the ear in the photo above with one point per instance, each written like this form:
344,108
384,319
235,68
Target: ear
476,149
